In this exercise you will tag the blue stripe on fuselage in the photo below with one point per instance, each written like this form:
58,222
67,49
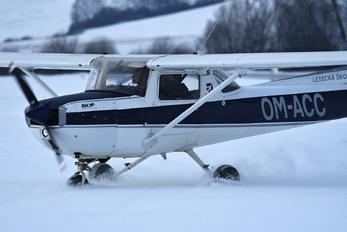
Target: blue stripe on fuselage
307,107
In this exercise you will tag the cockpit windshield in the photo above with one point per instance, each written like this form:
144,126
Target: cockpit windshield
122,79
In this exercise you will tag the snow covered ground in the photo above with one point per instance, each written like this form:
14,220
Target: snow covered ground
293,180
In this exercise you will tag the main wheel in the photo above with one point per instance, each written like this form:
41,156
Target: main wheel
76,180
100,171
227,172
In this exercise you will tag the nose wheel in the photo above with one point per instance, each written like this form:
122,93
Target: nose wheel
79,178
98,172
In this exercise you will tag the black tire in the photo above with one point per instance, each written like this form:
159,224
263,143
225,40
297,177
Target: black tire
101,171
76,180
227,172
104,160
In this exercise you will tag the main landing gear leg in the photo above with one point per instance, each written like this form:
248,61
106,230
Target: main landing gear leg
224,172
197,159
130,166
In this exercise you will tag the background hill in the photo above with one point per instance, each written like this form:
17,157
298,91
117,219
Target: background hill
34,18
90,13
153,26
133,36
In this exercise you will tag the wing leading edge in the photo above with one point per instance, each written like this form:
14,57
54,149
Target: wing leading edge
251,60
241,60
60,61
47,61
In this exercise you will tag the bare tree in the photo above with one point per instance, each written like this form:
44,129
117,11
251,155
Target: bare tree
100,46
9,49
167,46
339,19
307,25
241,26
60,45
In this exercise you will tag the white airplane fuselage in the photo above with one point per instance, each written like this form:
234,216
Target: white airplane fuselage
118,127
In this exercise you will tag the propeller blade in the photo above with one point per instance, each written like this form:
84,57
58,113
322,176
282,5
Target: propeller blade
24,86
60,159
61,162
30,96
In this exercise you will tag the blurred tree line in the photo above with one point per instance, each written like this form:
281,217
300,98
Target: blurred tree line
278,26
239,26
95,13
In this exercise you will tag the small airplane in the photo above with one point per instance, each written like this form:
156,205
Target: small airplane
137,106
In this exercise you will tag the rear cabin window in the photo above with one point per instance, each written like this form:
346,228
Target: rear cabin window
231,87
179,87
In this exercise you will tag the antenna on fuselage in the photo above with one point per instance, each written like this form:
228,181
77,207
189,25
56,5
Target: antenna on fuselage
204,43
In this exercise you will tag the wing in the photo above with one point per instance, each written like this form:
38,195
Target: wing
245,60
251,60
47,61
59,61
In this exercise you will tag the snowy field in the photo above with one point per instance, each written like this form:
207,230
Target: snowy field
291,181
34,18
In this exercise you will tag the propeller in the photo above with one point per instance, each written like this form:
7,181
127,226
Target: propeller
34,103
28,93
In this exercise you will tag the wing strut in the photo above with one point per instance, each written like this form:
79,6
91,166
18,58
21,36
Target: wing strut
150,142
12,66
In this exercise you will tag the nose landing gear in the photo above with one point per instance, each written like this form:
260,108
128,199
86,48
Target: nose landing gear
79,178
99,171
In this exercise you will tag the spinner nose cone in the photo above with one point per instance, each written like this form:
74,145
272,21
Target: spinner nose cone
39,114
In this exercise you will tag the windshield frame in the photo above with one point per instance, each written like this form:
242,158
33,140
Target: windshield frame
92,80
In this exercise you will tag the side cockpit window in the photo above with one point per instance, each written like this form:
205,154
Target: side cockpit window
179,87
